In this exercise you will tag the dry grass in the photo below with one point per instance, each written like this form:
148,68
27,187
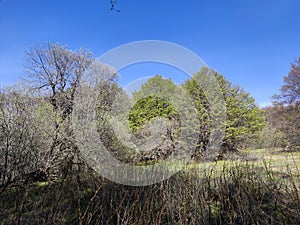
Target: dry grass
228,192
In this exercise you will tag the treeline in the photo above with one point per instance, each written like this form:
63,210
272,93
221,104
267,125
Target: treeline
241,124
37,137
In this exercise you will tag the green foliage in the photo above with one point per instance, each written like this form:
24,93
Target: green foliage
244,118
153,101
148,108
157,85
202,109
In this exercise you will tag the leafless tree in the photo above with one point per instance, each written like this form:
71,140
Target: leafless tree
55,71
287,105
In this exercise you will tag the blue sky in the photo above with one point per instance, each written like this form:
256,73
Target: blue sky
251,42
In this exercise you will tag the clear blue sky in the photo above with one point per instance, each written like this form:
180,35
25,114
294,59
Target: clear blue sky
251,42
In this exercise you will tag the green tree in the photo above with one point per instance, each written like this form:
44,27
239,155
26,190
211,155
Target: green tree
202,108
156,85
244,118
152,101
148,108
154,116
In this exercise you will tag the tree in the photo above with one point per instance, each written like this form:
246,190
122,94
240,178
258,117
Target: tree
148,108
55,71
202,108
152,101
244,118
111,99
157,85
154,116
290,90
287,105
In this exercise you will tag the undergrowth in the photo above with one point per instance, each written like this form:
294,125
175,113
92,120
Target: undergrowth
235,194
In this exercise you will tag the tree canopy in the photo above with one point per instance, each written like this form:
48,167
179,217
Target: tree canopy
290,90
244,118
153,101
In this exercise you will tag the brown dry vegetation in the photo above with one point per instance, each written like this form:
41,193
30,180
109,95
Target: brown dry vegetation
265,191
